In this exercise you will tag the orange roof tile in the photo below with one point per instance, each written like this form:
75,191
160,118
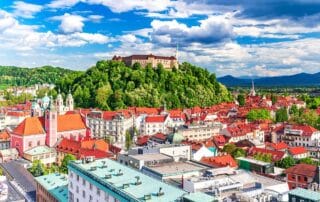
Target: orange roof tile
4,136
70,122
29,126
303,169
297,150
220,161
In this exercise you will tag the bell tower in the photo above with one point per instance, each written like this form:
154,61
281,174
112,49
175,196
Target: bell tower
51,124
69,102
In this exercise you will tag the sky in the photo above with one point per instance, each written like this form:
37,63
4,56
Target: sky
227,37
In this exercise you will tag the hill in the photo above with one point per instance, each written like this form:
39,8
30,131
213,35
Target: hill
111,85
297,80
19,76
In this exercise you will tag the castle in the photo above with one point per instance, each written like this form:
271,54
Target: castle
167,62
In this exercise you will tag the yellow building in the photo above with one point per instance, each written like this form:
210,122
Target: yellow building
167,62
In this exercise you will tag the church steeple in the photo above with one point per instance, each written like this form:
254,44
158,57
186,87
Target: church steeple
252,91
69,101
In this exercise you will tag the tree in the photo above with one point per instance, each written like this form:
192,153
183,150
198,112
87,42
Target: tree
286,162
229,148
241,100
307,160
273,99
64,164
102,95
128,140
281,115
263,157
38,169
258,114
238,152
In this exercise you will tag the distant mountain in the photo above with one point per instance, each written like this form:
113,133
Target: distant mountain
302,79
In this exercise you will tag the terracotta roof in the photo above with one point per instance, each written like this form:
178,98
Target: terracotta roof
220,140
29,126
220,161
4,136
155,119
297,150
276,155
278,146
159,136
142,140
70,122
95,144
303,169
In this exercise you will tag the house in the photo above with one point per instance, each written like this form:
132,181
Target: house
4,140
276,155
83,148
301,175
203,152
47,130
280,146
220,161
45,154
159,138
301,135
7,155
298,152
242,131
300,194
153,124
142,140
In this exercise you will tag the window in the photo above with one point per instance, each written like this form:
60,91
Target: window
98,191
90,186
77,189
83,194
71,185
38,143
83,182
30,144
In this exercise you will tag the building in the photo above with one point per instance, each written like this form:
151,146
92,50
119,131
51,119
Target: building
174,170
255,165
302,175
83,148
238,132
45,154
301,135
199,132
153,124
139,160
107,180
301,195
4,140
47,130
298,152
110,124
167,62
220,161
52,187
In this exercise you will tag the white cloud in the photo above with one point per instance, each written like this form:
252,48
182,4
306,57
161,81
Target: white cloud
26,10
95,18
71,23
62,3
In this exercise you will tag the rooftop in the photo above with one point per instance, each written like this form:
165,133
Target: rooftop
97,171
253,161
199,196
151,157
306,194
39,150
56,184
176,168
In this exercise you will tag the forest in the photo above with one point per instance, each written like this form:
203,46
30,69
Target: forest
110,85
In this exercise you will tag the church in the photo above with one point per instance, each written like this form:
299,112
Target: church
56,122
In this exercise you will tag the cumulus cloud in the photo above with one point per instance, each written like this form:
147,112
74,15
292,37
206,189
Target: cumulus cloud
26,10
71,23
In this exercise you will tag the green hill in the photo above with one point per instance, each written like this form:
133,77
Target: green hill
112,85
19,76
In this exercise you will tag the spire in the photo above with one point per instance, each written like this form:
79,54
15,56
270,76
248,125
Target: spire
252,91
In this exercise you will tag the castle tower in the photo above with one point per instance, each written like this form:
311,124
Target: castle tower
51,125
69,101
59,103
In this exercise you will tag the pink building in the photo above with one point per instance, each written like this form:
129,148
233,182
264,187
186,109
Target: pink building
47,130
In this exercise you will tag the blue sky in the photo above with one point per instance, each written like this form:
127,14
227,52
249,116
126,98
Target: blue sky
240,38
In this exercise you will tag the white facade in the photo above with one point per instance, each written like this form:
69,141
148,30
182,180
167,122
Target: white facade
295,137
151,128
200,132
81,190
202,152
177,152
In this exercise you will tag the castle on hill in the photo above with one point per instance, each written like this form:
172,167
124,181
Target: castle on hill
168,62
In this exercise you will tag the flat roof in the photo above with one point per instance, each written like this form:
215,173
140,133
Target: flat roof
56,184
253,161
39,150
199,197
148,186
150,157
174,168
306,194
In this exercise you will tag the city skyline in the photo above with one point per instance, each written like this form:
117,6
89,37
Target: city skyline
269,38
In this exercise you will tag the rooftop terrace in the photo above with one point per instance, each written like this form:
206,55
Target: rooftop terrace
124,181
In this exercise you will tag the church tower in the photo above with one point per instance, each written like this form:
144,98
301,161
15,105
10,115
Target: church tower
51,125
59,103
252,91
69,101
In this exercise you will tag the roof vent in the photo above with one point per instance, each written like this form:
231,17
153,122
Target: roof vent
104,164
119,173
138,182
125,186
108,176
147,197
111,170
93,168
160,192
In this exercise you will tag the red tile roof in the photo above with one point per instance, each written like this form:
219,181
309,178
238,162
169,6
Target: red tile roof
278,146
306,129
220,140
142,140
302,169
297,150
155,119
276,155
70,122
220,161
4,136
29,126
159,136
